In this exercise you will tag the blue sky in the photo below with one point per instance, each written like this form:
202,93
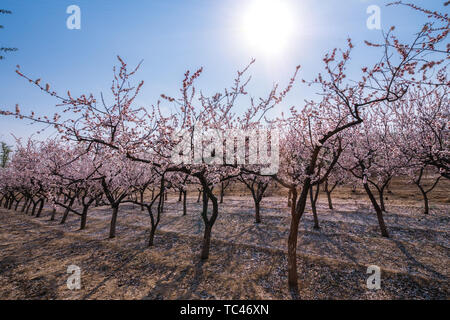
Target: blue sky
171,37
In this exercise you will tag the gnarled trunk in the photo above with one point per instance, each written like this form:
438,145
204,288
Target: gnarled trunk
207,195
155,222
425,199
41,206
206,242
17,204
29,205
330,203
257,211
141,193
84,217
378,210
222,192
184,202
292,245
425,192
112,228
382,207
11,202
313,199
53,214
25,204
34,207
151,236
66,212
328,192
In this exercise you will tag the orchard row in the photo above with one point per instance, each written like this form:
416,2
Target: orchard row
390,121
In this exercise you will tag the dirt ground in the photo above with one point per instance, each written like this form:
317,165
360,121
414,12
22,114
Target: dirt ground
247,261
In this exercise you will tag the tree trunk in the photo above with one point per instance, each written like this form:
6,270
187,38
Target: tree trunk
17,204
53,214
29,205
184,202
112,228
383,208
297,210
84,217
208,222
257,209
10,203
155,222
330,203
25,204
425,192
222,191
313,207
199,195
66,212
425,199
34,208
41,205
327,191
152,236
378,210
292,245
142,199
206,242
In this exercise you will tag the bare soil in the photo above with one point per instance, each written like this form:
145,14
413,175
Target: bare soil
247,260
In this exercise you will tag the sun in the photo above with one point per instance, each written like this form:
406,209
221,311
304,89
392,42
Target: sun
268,26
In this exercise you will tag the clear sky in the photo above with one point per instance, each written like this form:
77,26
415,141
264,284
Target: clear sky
176,35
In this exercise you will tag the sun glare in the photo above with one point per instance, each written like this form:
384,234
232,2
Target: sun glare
268,26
